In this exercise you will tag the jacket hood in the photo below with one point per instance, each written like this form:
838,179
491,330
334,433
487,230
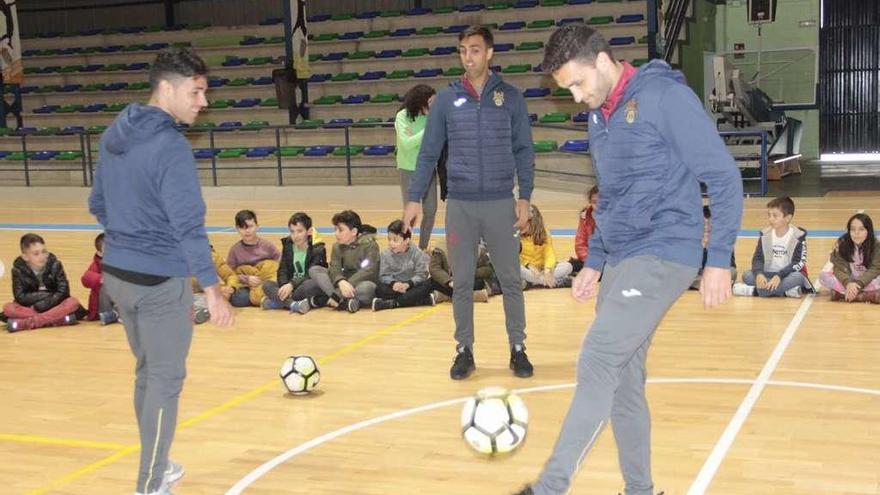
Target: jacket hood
137,123
649,73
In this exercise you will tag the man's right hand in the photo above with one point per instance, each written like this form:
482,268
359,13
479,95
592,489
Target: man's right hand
412,212
218,307
284,291
584,286
346,289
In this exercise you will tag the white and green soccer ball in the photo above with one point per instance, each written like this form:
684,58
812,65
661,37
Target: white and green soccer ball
300,374
494,421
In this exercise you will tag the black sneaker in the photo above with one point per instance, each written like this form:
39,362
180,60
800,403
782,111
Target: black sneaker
519,362
201,315
69,320
350,305
108,317
525,491
318,301
463,365
381,304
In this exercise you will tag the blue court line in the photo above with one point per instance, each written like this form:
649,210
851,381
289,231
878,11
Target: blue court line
81,227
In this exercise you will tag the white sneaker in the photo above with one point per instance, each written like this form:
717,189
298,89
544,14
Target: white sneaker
794,292
740,289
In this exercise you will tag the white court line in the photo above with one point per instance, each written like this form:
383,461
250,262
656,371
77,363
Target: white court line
262,470
713,462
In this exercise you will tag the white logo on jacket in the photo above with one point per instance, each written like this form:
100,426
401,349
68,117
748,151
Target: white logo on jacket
631,292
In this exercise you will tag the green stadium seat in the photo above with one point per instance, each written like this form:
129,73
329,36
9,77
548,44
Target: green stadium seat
344,77
529,45
639,62
391,13
325,37
355,149
310,124
97,129
92,87
643,40
553,3
377,34
368,121
328,100
241,81
260,61
139,86
204,126
274,40
545,146
341,17
555,118
597,20
288,151
69,155
453,72
15,155
134,48
232,153
314,57
429,31
114,67
516,69
220,104
360,55
385,98
400,74
69,109
444,10
415,52
115,107
256,124
269,102
498,6
70,68
541,24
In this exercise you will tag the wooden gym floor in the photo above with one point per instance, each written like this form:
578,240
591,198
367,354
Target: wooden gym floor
756,397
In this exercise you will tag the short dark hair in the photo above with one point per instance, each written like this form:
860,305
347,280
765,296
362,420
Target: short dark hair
348,218
29,240
593,191
415,101
396,228
575,41
99,242
707,213
300,218
243,216
481,31
784,204
176,62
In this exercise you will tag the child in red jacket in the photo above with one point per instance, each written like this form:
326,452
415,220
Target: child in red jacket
586,227
100,305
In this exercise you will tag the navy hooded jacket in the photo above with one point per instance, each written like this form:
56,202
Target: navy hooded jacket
146,194
650,157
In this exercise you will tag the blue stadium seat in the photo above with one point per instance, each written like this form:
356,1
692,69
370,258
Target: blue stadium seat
569,20
352,35
512,25
581,117
69,51
3,154
230,125
252,41
92,68
47,109
117,86
402,32
334,57
495,68
355,99
318,150
109,49
319,18
389,53
455,29
503,47
94,107
246,103
138,66
579,2
271,21
217,82
44,155
30,53
630,18
537,68
26,130
525,4
53,34
319,78
48,70
533,117
418,11
27,89
379,150
234,62
372,75
370,14
262,81
260,152
90,32
576,146
474,7
622,40
338,123
443,50
72,129
536,92
132,29
429,73
205,154
69,88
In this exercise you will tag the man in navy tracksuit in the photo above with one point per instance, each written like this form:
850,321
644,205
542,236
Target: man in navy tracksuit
652,144
147,196
485,124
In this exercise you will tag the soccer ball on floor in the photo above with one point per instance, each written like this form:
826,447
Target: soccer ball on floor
494,421
300,374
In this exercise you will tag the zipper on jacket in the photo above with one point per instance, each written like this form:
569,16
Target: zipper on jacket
480,138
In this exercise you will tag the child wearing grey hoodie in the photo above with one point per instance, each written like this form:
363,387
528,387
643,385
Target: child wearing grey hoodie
403,273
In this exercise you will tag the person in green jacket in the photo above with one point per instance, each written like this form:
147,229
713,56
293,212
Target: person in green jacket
409,124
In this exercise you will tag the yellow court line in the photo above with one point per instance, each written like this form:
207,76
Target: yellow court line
235,401
65,442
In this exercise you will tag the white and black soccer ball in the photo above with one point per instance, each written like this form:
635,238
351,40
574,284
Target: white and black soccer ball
300,374
494,421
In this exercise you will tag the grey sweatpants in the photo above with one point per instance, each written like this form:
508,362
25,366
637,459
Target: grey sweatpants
633,298
159,330
493,221
363,291
429,205
792,280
